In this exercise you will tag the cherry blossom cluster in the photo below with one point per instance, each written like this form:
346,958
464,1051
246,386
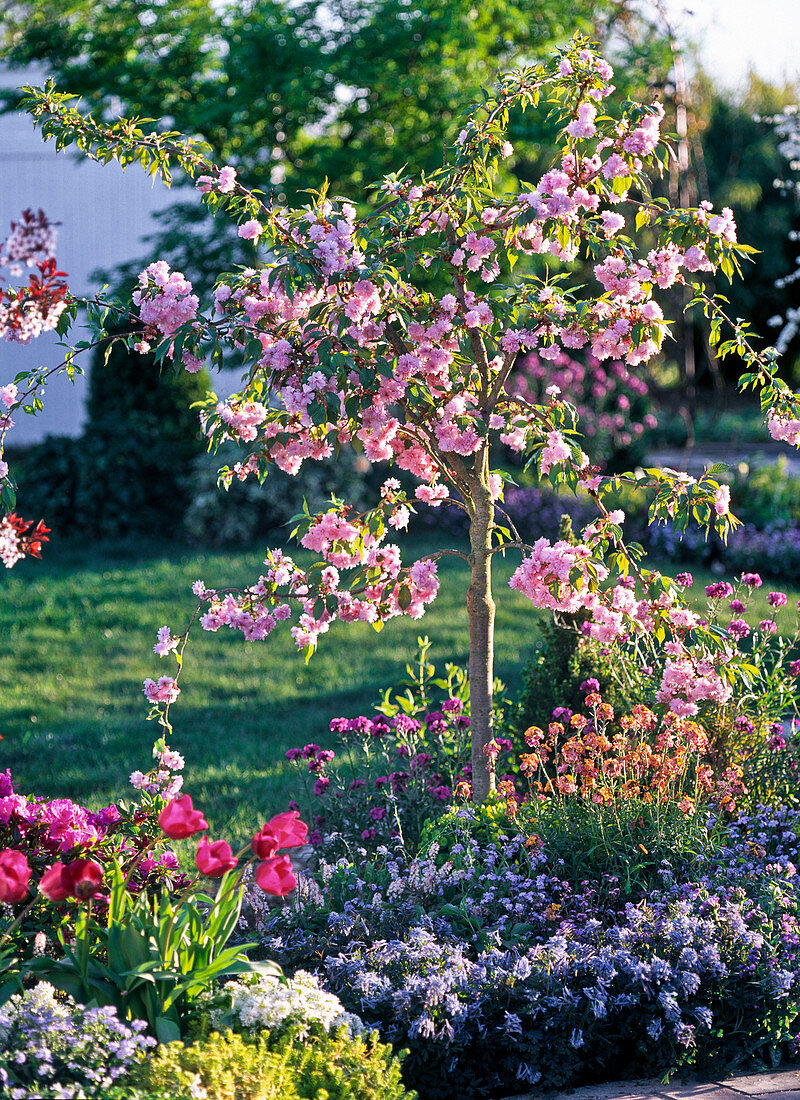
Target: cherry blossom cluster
557,577
697,654
166,302
289,316
163,779
568,578
28,311
25,313
380,587
687,680
784,428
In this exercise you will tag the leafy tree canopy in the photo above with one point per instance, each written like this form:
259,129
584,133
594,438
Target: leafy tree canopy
291,94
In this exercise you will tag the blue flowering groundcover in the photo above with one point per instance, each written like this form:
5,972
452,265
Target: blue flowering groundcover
498,974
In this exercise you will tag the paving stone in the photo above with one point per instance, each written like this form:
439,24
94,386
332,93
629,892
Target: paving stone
784,1085
615,1090
601,1092
712,1091
767,1084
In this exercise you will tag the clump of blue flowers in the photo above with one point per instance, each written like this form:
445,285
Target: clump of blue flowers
51,1047
492,968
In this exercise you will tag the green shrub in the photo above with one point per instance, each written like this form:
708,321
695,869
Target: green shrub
562,660
131,470
48,477
341,1068
108,484
485,824
642,845
227,1066
766,494
276,1066
248,511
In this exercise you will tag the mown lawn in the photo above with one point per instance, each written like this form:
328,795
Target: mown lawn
76,637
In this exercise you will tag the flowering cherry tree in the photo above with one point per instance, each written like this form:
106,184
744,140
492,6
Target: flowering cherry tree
398,331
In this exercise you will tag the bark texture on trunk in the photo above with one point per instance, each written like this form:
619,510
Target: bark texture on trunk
480,609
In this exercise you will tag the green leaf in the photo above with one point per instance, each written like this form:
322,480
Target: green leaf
167,1030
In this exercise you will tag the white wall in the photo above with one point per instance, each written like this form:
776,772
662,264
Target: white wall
104,213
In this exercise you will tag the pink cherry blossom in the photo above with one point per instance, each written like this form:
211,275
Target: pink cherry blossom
251,230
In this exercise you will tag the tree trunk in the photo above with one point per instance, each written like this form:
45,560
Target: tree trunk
480,608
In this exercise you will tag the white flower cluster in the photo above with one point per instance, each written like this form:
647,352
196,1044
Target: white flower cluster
267,1002
42,997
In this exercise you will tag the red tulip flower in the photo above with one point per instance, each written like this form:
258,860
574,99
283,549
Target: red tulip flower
86,877
80,879
265,844
15,874
276,876
179,819
55,883
214,859
288,829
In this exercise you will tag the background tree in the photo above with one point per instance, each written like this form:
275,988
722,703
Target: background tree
291,94
742,162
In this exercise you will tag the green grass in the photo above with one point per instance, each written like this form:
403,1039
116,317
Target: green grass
76,637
